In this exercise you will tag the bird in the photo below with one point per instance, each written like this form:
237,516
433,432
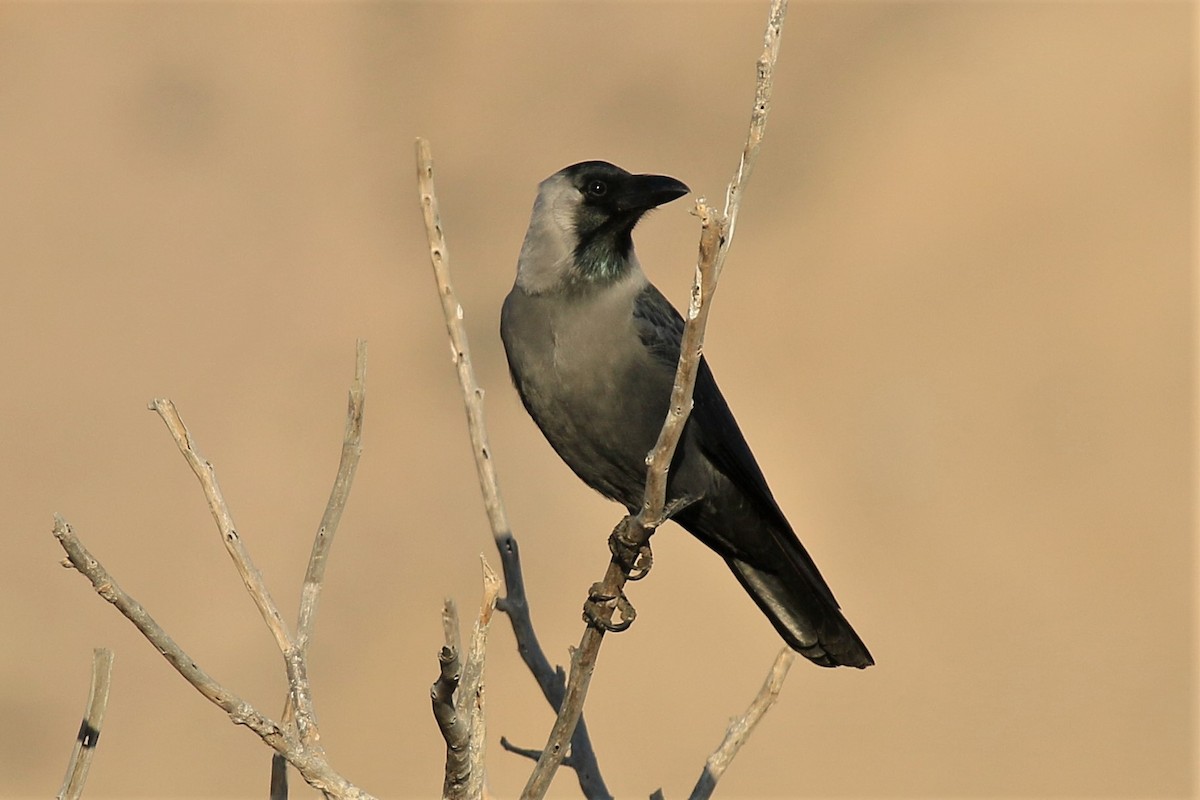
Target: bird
592,349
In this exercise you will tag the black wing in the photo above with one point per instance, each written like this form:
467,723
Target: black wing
717,433
660,328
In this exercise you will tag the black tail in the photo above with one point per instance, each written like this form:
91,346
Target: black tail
805,617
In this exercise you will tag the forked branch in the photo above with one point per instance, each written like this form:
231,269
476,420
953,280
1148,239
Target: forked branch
297,743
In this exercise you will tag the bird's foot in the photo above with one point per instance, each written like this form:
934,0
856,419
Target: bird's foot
634,557
599,602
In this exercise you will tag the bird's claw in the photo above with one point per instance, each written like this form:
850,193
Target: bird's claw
600,601
635,558
643,563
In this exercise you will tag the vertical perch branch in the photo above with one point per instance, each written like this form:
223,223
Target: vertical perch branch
716,235
515,603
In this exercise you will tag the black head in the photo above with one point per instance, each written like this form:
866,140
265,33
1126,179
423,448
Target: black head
610,203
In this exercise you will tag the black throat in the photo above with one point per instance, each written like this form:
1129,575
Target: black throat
602,255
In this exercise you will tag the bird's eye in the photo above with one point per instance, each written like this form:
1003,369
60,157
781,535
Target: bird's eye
596,188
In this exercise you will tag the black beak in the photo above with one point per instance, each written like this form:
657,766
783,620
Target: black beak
644,192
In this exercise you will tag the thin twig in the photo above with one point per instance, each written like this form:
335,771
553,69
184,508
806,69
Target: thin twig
658,462
314,576
529,752
241,712
715,238
450,627
89,730
765,69
251,577
741,727
460,350
515,602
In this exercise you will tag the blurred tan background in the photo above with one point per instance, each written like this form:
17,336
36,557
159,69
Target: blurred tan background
957,328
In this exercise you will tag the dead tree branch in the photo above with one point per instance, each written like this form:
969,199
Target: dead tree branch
445,711
89,730
450,629
470,699
515,603
239,711
460,350
457,697
741,727
716,236
298,743
251,577
294,662
314,576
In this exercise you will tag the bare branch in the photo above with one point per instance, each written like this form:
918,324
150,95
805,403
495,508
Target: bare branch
450,628
715,238
314,577
530,753
310,764
551,680
251,577
296,739
470,700
89,729
658,462
241,712
527,752
583,663
300,695
515,603
460,350
460,718
741,727
765,68
451,724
